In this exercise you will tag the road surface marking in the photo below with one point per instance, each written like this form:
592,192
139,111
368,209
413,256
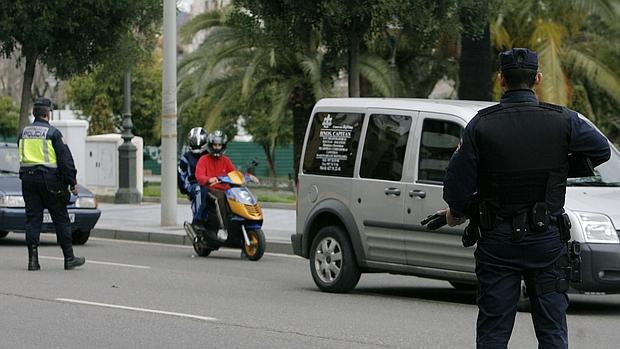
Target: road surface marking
88,261
152,311
224,249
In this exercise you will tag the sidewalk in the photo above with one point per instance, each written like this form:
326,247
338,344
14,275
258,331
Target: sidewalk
142,222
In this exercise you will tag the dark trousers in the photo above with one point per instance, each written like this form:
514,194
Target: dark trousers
41,191
500,266
217,199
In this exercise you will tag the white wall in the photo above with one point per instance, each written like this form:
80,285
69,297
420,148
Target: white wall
74,134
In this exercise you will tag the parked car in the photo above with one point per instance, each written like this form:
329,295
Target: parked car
83,210
372,169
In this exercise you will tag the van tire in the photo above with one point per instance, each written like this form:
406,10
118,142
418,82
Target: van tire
3,233
332,262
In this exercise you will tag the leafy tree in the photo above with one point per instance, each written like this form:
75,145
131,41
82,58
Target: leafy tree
145,96
420,38
266,134
71,36
9,116
256,44
101,116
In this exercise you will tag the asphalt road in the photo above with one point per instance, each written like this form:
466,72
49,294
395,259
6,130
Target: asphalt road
140,295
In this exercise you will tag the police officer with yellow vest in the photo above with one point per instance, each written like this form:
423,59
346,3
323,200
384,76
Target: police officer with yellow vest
46,171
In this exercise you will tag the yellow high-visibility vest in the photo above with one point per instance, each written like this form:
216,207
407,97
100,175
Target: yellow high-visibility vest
35,147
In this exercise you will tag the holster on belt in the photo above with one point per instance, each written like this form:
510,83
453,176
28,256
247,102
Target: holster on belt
564,226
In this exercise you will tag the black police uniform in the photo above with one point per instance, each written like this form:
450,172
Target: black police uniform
514,156
45,187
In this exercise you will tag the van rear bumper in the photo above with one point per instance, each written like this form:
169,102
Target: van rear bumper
600,268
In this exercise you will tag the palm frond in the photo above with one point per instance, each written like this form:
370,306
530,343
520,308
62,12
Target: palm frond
284,91
499,35
604,8
594,71
377,71
547,39
201,22
313,68
250,71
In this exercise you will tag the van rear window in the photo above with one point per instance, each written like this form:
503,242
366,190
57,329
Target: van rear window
332,144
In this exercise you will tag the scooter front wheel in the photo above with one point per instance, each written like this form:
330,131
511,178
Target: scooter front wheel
256,249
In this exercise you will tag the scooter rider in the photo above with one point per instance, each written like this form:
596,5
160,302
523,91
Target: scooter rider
208,169
186,178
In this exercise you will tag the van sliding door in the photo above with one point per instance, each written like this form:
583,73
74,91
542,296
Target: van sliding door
378,192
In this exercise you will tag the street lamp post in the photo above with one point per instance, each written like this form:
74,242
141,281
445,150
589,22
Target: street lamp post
127,190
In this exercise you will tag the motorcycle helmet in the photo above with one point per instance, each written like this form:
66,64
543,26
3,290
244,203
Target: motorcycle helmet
197,140
217,137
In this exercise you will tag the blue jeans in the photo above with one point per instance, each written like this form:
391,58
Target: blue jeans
198,197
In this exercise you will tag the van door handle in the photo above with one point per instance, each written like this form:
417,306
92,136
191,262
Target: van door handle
418,193
392,191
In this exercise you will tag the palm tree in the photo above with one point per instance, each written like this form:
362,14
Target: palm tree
567,47
235,63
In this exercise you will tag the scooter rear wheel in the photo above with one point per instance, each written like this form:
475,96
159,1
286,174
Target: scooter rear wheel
256,249
201,250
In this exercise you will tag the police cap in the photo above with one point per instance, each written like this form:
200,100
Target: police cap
43,103
518,58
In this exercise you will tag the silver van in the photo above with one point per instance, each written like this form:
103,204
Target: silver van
372,169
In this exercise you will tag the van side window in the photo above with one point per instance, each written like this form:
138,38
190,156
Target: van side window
384,147
439,140
332,144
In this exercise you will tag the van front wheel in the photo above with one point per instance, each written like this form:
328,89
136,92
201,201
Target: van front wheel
332,261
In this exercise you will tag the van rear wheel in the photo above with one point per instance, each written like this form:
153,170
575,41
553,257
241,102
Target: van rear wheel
332,261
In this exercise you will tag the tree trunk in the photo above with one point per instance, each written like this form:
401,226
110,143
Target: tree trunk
271,163
475,74
24,109
354,66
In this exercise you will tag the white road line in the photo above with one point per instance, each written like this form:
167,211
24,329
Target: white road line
152,311
88,261
224,249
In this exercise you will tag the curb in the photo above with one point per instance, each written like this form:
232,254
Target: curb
109,199
277,246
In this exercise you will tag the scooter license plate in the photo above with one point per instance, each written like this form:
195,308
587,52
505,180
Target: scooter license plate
47,218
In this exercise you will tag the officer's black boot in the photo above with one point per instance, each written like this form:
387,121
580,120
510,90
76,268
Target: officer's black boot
71,261
33,258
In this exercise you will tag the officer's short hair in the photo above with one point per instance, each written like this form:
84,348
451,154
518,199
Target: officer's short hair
519,67
42,105
519,78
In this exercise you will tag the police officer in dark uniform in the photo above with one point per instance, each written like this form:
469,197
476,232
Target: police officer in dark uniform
514,157
46,171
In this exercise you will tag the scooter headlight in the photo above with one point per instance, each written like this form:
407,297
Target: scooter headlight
597,228
245,197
